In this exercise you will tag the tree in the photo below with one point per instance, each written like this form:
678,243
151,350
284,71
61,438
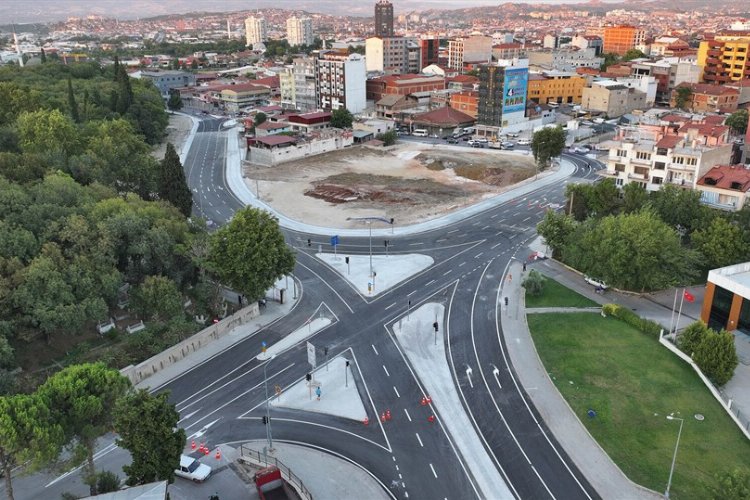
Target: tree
633,54
721,243
82,399
46,131
157,298
716,356
28,435
556,229
737,121
147,426
547,144
679,208
173,186
534,283
388,138
683,95
609,60
733,485
175,101
260,117
194,64
341,118
249,254
124,91
72,104
634,197
691,337
43,57
604,198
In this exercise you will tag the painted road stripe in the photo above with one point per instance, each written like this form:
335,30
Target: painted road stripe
419,439
396,391
390,306
409,417
433,471
386,371
376,351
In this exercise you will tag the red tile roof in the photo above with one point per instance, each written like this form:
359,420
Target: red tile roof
444,117
709,89
275,140
723,176
706,129
668,141
272,125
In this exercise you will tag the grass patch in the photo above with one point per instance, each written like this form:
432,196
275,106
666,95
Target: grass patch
633,383
556,295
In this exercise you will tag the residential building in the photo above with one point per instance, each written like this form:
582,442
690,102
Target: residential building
430,51
393,55
305,98
233,98
556,86
508,51
706,97
286,88
725,58
475,48
612,99
726,187
620,39
272,150
669,46
441,121
588,42
502,93
465,101
165,81
564,59
299,31
379,87
255,30
653,154
340,81
668,73
726,302
383,18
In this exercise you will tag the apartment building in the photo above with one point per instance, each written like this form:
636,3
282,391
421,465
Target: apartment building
383,18
402,85
299,31
502,93
657,154
612,99
475,48
255,31
588,42
726,187
668,73
508,51
563,59
430,51
297,85
340,81
393,55
556,86
620,39
706,97
725,58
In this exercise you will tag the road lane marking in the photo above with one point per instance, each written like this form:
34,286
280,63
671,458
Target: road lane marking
461,264
446,273
454,231
409,417
386,371
527,218
419,439
415,244
396,391
493,216
478,255
485,227
376,351
430,283
390,306
496,245
469,371
433,471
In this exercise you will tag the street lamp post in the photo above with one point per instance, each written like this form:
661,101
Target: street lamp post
369,225
269,434
674,457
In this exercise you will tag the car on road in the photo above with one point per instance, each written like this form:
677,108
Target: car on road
599,284
192,469
524,142
451,140
476,144
507,145
467,139
580,150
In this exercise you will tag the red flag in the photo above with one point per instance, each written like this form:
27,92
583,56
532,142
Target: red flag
688,296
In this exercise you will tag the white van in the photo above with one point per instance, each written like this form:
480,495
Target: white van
419,132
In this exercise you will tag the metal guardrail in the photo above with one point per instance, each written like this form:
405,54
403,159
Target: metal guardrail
286,472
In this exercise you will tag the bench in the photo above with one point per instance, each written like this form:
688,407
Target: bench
136,327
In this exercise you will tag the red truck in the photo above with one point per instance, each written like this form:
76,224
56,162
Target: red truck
271,486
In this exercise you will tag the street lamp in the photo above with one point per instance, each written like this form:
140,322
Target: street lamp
369,225
269,435
674,457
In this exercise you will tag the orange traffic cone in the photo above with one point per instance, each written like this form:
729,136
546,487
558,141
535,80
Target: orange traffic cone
366,421
206,451
431,418
382,417
423,402
192,444
218,454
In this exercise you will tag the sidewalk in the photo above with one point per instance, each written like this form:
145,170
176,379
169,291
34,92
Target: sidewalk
581,447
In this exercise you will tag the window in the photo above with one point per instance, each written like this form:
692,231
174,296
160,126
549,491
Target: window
661,151
659,165
619,167
618,182
622,153
656,180
678,160
642,155
691,161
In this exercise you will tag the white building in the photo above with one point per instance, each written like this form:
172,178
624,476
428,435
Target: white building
476,48
340,81
299,31
393,55
255,31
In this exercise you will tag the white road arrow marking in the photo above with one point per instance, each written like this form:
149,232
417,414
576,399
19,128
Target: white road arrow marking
469,371
203,430
496,373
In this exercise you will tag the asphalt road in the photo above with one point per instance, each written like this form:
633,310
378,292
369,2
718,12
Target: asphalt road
222,400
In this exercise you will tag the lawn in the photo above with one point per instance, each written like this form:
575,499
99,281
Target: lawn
633,383
556,295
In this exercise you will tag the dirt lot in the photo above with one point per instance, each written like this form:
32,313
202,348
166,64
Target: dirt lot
177,132
410,182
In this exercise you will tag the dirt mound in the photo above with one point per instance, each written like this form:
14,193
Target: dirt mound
352,187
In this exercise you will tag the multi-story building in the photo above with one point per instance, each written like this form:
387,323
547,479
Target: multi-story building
383,18
725,58
668,73
430,51
620,39
564,59
653,154
465,101
393,55
255,31
286,88
165,81
588,42
612,98
502,93
475,48
508,51
402,85
706,97
726,187
233,98
305,98
299,31
556,86
340,81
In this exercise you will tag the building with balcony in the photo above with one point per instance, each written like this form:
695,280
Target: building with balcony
726,187
556,86
233,98
612,98
393,55
299,31
340,81
620,39
725,58
665,153
668,73
706,97
255,31
508,51
475,48
502,93
563,59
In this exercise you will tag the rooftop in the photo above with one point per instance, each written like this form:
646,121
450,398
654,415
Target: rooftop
734,177
446,116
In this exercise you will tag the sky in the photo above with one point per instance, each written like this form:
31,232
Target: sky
25,11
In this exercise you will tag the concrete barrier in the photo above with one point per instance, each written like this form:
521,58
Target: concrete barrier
188,346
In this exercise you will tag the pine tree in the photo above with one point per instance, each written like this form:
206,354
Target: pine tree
125,91
172,184
44,57
72,104
116,68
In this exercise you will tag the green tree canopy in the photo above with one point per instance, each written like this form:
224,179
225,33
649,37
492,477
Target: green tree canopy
147,426
249,254
260,117
157,298
47,131
546,144
175,100
737,121
682,96
556,229
82,399
172,184
633,54
716,356
342,118
634,197
721,244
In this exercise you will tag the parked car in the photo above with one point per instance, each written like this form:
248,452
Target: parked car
507,145
466,138
481,140
476,144
524,142
451,140
599,284
192,469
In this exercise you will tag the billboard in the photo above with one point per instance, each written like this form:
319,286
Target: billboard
514,90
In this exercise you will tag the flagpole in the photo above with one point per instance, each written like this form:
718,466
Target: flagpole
674,305
682,300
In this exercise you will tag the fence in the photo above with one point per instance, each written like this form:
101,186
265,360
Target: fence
177,352
742,421
286,472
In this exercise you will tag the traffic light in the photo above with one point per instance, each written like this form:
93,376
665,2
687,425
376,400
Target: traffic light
265,420
435,326
392,220
309,242
308,377
346,259
506,301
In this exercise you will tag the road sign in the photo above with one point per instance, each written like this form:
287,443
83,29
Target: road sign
311,355
334,240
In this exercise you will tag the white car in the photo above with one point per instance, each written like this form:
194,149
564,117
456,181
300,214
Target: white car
192,469
595,282
524,142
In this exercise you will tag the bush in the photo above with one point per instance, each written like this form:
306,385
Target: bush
650,328
734,485
716,356
534,283
107,482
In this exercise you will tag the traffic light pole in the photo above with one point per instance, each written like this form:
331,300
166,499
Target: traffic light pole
269,434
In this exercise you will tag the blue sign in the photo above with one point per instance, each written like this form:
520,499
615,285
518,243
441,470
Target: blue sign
334,240
514,90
